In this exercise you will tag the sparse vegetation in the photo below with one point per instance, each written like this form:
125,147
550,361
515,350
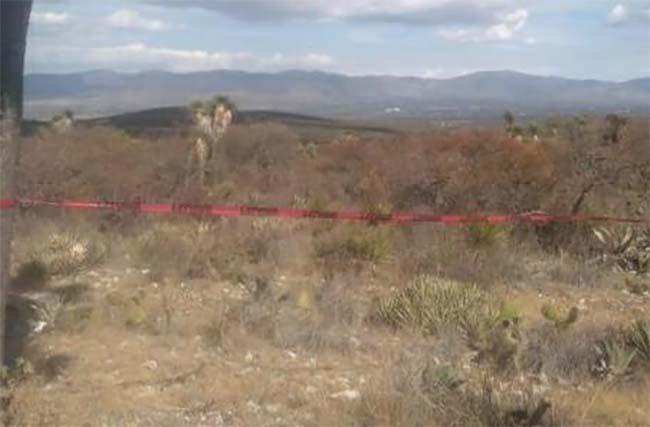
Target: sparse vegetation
318,322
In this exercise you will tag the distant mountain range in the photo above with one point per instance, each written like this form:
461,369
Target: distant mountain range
478,95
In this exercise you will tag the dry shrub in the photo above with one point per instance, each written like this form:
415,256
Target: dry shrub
424,393
447,252
177,249
99,163
355,244
569,355
315,317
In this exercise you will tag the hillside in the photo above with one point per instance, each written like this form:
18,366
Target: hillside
477,95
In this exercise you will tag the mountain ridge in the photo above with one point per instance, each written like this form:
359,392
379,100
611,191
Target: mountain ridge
478,94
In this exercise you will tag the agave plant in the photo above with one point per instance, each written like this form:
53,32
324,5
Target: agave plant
613,242
629,249
638,337
614,358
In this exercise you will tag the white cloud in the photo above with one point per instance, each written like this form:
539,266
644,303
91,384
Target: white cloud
617,15
131,19
139,56
507,26
421,12
49,18
632,12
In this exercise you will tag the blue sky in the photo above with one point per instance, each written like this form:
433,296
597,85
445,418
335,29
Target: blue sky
599,39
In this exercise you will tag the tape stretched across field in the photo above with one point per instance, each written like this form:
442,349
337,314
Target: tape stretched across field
242,210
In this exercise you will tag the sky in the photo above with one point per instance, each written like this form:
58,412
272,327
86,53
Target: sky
592,39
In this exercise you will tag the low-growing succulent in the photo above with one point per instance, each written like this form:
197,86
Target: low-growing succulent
638,338
561,321
67,252
628,250
440,378
432,304
613,358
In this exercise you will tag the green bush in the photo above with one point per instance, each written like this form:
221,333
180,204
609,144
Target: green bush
367,245
484,234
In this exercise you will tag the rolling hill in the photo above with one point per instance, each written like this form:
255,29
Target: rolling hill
477,95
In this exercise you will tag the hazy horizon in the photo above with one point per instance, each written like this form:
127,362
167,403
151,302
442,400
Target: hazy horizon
404,38
290,70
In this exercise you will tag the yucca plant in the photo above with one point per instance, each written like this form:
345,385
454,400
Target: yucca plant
614,358
629,249
69,252
432,304
638,337
612,241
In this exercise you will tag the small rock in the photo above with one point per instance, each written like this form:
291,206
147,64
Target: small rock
272,408
347,394
183,285
249,357
291,354
154,285
253,406
151,364
145,271
310,389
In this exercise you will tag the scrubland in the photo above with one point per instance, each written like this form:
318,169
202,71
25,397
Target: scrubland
124,319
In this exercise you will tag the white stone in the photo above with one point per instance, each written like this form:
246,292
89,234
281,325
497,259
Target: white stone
151,364
347,394
272,408
253,406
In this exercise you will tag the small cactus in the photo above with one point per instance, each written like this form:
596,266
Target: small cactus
561,322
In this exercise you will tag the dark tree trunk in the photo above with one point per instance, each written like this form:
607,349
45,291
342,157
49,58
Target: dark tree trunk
14,18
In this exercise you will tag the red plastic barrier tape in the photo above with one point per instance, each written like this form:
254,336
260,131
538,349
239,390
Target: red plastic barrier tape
234,210
7,204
